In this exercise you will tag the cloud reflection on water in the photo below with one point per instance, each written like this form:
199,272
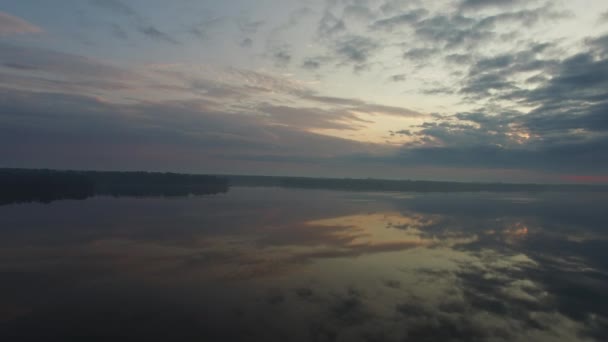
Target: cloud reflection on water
310,265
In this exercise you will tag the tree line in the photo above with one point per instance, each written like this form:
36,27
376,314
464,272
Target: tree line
43,185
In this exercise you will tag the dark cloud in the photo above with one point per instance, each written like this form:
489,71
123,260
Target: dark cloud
573,98
494,141
246,43
407,18
578,78
405,132
357,12
532,100
250,27
282,58
490,75
462,59
398,78
19,66
312,63
471,129
356,50
116,6
101,134
330,26
420,54
156,34
493,63
202,29
198,32
485,85
586,156
451,31
599,44
462,31
60,64
136,20
567,131
525,17
477,4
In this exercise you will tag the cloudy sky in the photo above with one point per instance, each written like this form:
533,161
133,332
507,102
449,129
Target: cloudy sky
503,90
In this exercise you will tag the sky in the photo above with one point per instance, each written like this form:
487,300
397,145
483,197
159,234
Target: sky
466,90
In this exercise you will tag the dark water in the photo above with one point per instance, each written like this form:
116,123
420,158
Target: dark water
307,265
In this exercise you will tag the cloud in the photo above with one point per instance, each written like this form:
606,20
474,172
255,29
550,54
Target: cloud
451,31
281,58
497,76
458,30
307,118
528,17
154,33
311,64
140,24
565,157
246,43
202,30
398,78
294,19
330,26
115,6
420,54
247,26
407,18
314,63
10,25
356,51
119,32
462,59
523,97
97,133
60,64
565,131
479,4
362,106
405,132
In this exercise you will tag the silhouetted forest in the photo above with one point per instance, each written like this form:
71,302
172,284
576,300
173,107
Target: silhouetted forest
24,185
43,186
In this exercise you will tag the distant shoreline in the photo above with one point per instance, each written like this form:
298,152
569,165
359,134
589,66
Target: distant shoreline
45,185
370,184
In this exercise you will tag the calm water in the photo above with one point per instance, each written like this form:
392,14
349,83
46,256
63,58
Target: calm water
304,265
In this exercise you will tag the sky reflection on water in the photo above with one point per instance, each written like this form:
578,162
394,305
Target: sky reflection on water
303,265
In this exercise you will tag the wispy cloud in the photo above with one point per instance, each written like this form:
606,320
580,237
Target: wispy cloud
155,33
137,21
10,25
115,6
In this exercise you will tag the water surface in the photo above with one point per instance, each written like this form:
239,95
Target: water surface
269,264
